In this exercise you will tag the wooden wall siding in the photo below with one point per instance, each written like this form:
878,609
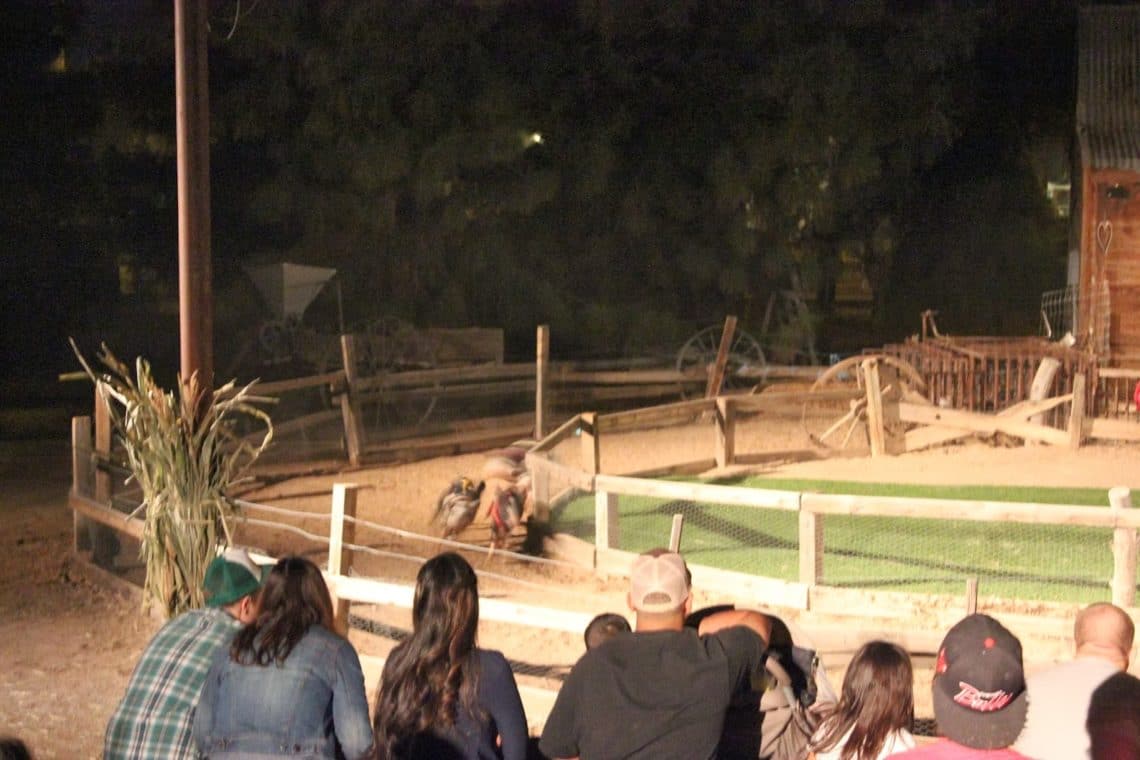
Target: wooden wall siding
1119,267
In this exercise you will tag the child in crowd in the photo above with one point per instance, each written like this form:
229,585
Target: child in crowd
604,627
875,712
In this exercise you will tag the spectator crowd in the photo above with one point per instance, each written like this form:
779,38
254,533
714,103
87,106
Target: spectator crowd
260,672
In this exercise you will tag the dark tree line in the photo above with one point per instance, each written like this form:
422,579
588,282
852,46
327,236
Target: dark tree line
624,170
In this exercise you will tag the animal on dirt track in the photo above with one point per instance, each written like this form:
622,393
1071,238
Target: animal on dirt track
505,469
458,505
505,511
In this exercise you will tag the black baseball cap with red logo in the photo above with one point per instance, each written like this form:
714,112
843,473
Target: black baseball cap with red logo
979,684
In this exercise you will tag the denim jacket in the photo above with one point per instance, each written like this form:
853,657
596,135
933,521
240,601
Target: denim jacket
303,708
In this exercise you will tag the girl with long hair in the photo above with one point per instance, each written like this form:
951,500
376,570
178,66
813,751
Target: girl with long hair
441,696
288,686
875,712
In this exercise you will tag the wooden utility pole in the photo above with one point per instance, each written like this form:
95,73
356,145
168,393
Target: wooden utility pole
192,107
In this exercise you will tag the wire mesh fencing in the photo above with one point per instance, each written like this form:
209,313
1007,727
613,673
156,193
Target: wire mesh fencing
926,555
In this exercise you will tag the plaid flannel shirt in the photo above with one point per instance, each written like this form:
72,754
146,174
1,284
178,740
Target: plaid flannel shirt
153,720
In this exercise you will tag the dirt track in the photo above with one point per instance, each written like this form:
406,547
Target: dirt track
67,644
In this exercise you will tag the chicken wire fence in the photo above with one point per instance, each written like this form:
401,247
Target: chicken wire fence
1028,561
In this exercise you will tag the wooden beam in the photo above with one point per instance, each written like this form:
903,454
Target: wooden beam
369,591
875,422
725,432
334,379
1077,412
564,431
811,548
1123,551
976,511
681,412
342,531
675,532
607,529
349,410
716,378
81,480
1117,430
1039,389
570,475
711,494
541,381
104,515
977,422
591,452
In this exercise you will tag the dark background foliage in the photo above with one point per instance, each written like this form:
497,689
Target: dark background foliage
627,172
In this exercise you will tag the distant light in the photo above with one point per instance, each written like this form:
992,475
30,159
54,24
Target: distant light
534,138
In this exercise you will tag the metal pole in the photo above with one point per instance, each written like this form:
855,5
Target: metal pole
192,106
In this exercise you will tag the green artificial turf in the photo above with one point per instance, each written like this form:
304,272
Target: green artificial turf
1011,560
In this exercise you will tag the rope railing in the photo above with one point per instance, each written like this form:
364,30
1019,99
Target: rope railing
405,535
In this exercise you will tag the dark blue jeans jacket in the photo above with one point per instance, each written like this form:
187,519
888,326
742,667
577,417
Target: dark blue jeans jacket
303,708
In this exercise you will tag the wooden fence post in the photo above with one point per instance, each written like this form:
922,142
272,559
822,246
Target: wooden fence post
1123,552
875,421
725,431
342,532
607,534
675,533
353,431
541,389
102,451
971,596
716,377
540,483
102,539
588,431
811,546
80,478
1077,412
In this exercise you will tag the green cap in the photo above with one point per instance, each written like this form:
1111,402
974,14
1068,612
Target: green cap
232,576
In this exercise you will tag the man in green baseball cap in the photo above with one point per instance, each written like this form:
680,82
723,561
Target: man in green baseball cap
154,717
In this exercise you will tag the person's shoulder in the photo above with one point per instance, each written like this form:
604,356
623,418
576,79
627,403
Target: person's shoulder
1061,675
192,623
492,659
735,637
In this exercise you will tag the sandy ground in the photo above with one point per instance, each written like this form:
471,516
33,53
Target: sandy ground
68,641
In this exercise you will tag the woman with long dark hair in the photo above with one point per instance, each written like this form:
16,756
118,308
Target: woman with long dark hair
288,686
875,712
441,696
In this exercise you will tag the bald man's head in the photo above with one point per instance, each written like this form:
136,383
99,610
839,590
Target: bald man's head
1106,631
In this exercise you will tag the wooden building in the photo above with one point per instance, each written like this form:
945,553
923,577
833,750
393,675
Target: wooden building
1108,136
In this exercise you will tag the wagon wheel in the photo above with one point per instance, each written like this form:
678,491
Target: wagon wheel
701,351
831,418
390,345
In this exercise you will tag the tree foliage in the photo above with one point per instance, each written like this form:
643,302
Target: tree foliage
625,171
